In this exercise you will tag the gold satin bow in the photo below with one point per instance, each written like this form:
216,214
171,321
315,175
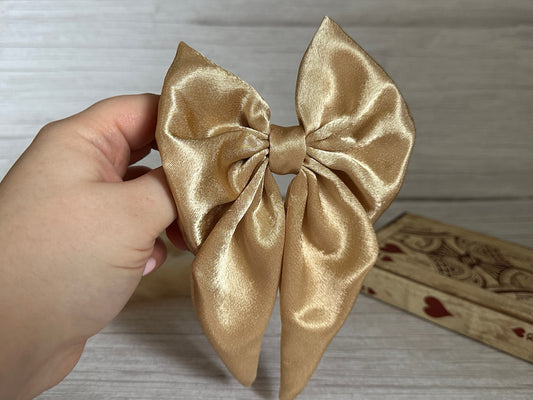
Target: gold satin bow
219,150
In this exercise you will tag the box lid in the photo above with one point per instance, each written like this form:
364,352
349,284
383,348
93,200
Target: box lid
481,269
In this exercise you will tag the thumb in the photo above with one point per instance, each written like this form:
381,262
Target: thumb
150,202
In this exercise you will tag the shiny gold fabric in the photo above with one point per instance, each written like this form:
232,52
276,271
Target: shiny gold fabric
218,149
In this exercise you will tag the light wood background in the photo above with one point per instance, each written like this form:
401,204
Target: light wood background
465,68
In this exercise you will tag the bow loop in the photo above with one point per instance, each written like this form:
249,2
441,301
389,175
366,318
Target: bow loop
356,121
287,149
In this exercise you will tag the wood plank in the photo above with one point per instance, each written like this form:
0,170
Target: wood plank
155,349
280,13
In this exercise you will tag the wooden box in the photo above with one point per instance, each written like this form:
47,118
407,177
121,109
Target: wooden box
471,283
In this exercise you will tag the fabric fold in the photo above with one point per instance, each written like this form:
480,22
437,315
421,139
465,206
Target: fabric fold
356,121
219,151
329,247
212,134
235,275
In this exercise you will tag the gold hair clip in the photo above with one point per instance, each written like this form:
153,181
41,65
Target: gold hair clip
219,150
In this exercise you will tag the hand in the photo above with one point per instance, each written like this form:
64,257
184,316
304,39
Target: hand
78,227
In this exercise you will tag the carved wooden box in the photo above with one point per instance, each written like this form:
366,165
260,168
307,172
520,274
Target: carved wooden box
471,283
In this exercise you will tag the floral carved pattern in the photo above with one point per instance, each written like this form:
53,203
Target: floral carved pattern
473,262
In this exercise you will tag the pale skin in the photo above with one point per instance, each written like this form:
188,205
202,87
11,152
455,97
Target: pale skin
78,229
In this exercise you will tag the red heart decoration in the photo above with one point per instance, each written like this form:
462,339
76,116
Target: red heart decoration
520,332
435,308
386,258
391,248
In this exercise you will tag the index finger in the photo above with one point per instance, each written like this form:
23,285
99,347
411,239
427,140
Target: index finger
119,126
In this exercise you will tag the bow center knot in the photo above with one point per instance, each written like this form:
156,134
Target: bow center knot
287,149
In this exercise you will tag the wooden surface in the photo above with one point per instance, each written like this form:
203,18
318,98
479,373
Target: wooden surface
464,67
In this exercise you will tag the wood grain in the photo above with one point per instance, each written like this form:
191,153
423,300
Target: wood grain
464,67
155,348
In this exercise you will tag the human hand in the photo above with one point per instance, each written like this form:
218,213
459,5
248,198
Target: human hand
78,227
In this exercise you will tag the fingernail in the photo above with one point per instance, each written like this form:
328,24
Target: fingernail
150,266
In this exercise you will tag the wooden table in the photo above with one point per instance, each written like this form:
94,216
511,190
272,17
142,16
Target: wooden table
465,69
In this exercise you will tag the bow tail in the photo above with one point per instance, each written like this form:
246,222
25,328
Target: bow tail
329,247
235,275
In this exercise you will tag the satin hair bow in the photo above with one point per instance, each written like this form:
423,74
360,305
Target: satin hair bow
219,152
